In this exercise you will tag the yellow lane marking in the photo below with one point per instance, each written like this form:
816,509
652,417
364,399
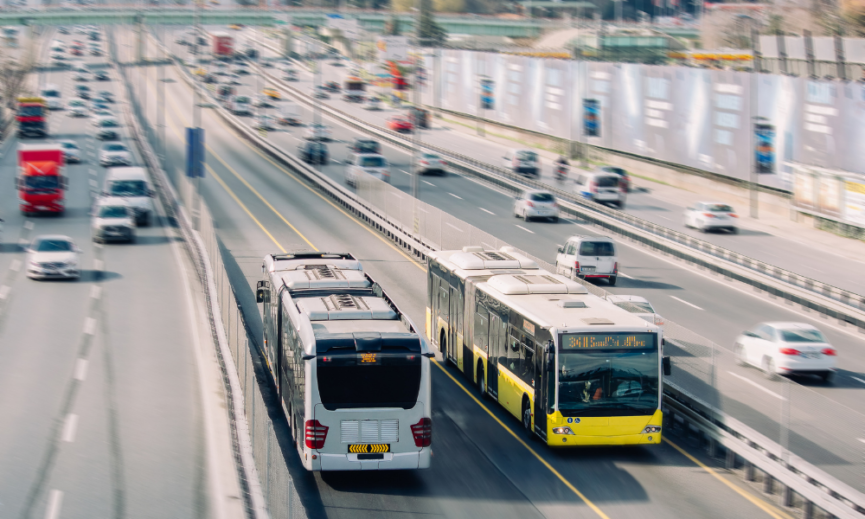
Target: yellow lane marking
546,464
759,503
384,240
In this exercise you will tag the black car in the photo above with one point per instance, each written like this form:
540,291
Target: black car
101,75
366,146
313,152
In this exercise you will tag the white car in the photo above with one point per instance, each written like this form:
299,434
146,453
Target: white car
711,216
533,203
115,154
316,132
373,165
372,103
113,219
430,163
786,349
71,151
53,256
81,75
241,105
77,108
638,306
265,122
588,257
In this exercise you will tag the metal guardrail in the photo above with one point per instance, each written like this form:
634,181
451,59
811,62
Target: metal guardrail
815,486
849,307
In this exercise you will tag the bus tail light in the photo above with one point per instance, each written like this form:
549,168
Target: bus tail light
315,434
422,432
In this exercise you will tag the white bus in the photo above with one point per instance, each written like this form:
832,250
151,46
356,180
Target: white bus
351,370
575,369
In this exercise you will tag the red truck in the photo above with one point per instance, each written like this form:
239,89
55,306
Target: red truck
223,45
40,181
32,117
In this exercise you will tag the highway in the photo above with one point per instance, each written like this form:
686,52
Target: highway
99,376
786,252
704,304
482,463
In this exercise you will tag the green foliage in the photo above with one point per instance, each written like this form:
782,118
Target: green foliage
430,33
391,27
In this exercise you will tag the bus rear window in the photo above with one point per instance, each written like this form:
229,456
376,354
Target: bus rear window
345,382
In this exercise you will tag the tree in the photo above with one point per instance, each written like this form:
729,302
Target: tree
391,27
13,75
430,33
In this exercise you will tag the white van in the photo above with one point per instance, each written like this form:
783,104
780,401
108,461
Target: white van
587,257
601,187
523,161
53,97
289,114
133,186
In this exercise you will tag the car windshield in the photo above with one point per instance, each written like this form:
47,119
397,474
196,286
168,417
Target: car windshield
541,197
113,211
607,181
53,246
69,145
42,182
597,248
801,335
719,208
115,147
608,375
83,88
108,123
372,162
368,146
76,103
527,155
50,93
242,99
129,188
636,307
430,156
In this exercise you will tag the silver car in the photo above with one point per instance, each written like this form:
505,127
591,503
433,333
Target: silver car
711,216
53,257
534,203
113,219
71,151
371,164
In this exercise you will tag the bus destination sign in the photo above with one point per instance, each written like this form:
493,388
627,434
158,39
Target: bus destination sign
607,341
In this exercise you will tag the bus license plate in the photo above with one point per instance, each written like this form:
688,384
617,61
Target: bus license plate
363,448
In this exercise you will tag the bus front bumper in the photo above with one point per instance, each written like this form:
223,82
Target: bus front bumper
573,440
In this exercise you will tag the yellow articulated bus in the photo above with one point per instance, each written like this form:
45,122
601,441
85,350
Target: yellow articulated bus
575,369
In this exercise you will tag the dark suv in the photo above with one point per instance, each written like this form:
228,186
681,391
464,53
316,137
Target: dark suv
366,146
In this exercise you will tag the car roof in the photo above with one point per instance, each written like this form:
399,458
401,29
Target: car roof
364,155
53,237
791,325
578,237
714,203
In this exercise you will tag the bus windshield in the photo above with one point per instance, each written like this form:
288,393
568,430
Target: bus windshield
608,375
344,382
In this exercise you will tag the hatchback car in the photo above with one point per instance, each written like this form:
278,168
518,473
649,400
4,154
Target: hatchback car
366,146
523,162
430,163
71,151
313,152
601,187
316,132
711,216
115,154
534,203
399,123
113,219
53,257
787,349
624,178
373,165
588,257
639,306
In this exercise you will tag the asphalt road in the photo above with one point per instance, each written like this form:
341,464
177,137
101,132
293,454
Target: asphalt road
101,418
706,305
482,463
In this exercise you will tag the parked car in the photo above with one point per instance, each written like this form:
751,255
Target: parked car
639,306
711,216
373,165
588,257
399,123
430,163
601,187
53,256
523,162
780,348
534,203
313,152
113,219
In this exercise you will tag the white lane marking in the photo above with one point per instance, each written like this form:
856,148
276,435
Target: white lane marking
69,427
93,172
80,369
453,227
428,183
758,386
487,211
858,379
4,291
687,303
93,183
861,440
16,264
404,171
28,225
523,228
335,161
95,292
97,264
90,326
625,275
54,501
455,196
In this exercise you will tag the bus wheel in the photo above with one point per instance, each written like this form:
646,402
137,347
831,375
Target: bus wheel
527,415
481,383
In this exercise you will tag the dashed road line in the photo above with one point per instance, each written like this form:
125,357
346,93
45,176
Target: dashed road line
95,292
857,379
97,264
487,211
55,499
625,275
69,427
687,303
455,196
80,369
758,386
404,171
523,228
90,326
428,183
453,226
15,266
4,291
29,225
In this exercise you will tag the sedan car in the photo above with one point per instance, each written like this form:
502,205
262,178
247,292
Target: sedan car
115,154
533,203
373,165
265,122
710,216
320,93
82,91
398,123
101,75
262,101
430,163
638,306
316,132
81,75
113,219
106,128
71,151
786,349
77,108
105,96
372,103
53,256
313,152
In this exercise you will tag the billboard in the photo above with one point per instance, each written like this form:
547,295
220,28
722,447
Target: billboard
392,48
348,26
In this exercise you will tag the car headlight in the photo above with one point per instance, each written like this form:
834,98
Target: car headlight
652,429
563,430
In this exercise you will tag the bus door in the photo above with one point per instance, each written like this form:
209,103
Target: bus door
440,311
455,353
541,389
498,336
277,349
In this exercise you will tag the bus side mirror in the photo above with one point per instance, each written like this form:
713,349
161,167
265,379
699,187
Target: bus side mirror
260,291
668,367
